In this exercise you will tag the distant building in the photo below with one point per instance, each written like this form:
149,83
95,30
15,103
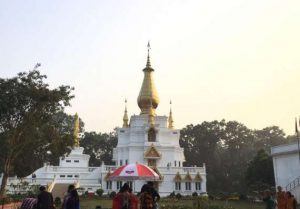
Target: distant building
146,138
287,168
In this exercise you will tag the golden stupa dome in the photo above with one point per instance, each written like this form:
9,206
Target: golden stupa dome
148,98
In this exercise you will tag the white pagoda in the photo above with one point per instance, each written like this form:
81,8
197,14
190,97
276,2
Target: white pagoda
152,140
146,138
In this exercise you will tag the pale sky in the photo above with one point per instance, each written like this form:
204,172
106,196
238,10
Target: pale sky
234,59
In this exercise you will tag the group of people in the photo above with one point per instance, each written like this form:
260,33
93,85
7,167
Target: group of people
44,200
125,199
283,200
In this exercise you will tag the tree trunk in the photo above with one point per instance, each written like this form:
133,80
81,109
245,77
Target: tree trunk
5,177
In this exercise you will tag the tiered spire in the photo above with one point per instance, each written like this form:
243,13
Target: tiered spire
76,131
125,117
148,57
148,98
171,121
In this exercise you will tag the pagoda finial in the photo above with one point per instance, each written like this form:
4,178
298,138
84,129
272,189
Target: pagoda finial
171,121
148,57
76,131
125,117
148,98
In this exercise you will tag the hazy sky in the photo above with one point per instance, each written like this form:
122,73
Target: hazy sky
233,59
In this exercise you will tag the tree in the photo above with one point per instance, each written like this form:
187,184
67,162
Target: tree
99,146
26,105
269,137
260,172
225,148
202,144
237,150
59,132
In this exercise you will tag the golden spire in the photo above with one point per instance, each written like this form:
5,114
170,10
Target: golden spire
148,98
125,117
171,121
76,131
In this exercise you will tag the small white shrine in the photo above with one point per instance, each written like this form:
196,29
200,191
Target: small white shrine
146,138
286,163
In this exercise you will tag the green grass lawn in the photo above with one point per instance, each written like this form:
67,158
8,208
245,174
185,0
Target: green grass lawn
107,203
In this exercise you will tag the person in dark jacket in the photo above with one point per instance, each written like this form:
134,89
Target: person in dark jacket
154,194
71,187
44,199
73,201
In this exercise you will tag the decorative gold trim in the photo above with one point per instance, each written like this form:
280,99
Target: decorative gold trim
107,176
161,177
178,177
152,153
188,177
198,178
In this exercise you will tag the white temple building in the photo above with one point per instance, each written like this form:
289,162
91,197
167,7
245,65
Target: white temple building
286,163
146,138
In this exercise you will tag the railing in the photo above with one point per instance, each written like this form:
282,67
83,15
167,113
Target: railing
88,181
110,168
78,169
200,170
292,185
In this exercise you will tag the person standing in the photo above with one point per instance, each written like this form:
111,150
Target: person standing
124,199
291,202
281,198
146,199
134,200
155,195
71,187
44,199
72,202
267,198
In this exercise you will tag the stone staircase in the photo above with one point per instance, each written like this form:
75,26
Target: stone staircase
59,190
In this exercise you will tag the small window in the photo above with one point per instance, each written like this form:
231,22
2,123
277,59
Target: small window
108,184
62,176
121,162
188,186
198,186
178,186
76,176
129,183
122,131
69,176
178,163
76,161
175,163
151,135
119,184
68,161
126,162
